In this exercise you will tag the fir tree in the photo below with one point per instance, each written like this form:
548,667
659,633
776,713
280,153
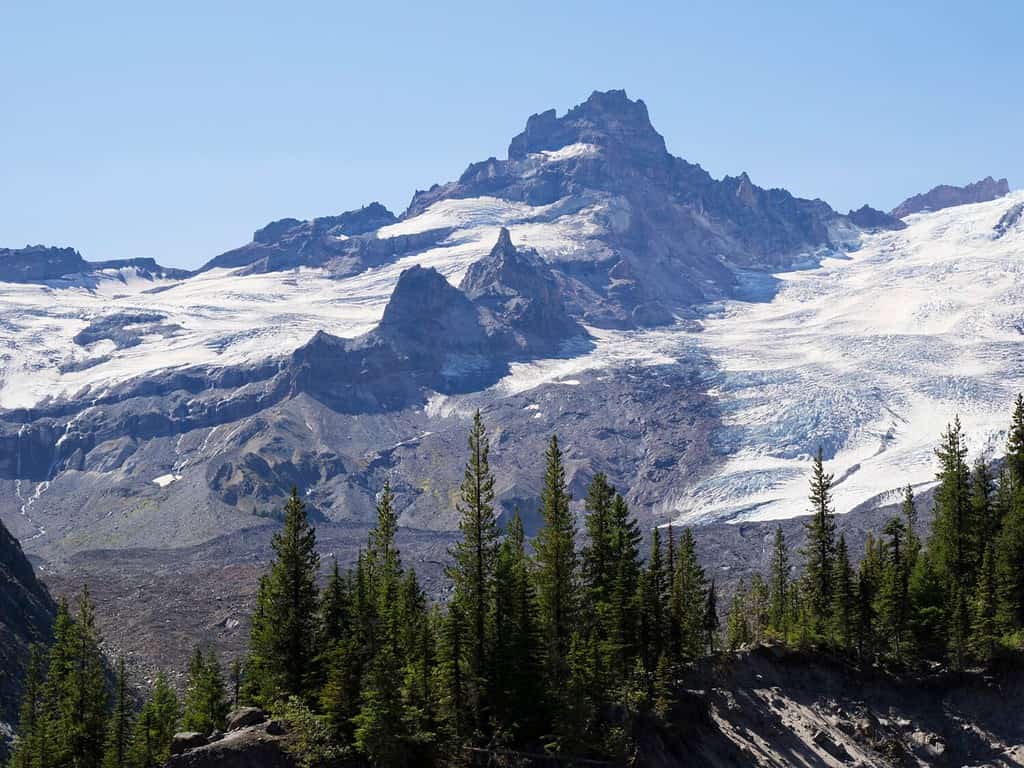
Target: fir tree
380,725
820,549
953,538
927,622
984,629
517,666
737,628
206,703
1015,444
894,604
119,731
710,620
626,539
31,748
653,607
869,578
155,726
282,644
475,558
844,598
690,593
556,573
778,586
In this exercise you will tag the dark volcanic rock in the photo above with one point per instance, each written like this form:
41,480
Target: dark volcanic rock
946,196
26,617
673,231
39,264
186,740
252,747
1008,221
289,243
871,219
517,289
244,717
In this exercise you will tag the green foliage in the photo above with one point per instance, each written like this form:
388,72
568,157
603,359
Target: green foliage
206,703
119,730
819,552
282,648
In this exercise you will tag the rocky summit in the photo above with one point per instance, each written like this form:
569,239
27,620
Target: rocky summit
946,196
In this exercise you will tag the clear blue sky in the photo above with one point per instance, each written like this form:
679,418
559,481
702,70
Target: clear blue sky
174,133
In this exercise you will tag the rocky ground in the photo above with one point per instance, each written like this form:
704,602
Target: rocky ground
776,707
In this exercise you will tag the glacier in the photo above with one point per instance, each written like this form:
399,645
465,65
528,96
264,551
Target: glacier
866,353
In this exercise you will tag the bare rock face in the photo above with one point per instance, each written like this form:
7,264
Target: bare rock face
41,264
26,617
245,717
255,746
946,196
872,219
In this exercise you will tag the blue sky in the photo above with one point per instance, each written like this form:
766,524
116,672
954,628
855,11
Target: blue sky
174,133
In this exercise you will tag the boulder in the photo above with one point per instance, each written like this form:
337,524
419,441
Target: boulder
244,717
182,742
255,746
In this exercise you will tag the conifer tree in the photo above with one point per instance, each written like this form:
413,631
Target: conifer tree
690,593
31,749
1015,444
119,730
893,599
844,598
206,703
282,644
380,726
778,586
155,726
597,560
626,540
76,689
653,607
737,627
908,509
475,558
927,621
869,578
710,619
984,629
953,538
984,520
819,551
517,664
556,570
334,609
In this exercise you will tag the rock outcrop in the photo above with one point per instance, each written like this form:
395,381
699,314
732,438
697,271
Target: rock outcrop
946,196
872,219
251,741
26,617
41,264
774,706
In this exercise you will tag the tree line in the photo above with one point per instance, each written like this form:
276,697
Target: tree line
560,647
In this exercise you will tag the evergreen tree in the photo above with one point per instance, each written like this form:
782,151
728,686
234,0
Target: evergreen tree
737,627
894,598
778,586
1009,570
119,731
155,726
282,644
626,539
953,538
927,622
1015,444
517,665
206,703
76,690
710,618
31,748
556,573
844,598
380,725
653,607
819,551
334,609
475,558
984,629
908,509
235,681
869,578
690,593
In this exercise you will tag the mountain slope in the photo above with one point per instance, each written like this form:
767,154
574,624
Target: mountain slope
26,617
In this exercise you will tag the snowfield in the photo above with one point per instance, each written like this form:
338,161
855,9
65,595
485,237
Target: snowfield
868,355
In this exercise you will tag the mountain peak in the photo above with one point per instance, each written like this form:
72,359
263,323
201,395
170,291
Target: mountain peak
605,118
946,196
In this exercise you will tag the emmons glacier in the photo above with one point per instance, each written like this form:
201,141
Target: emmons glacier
870,356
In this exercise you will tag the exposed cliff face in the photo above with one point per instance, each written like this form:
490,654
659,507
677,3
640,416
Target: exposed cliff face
26,617
773,706
946,196
41,264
